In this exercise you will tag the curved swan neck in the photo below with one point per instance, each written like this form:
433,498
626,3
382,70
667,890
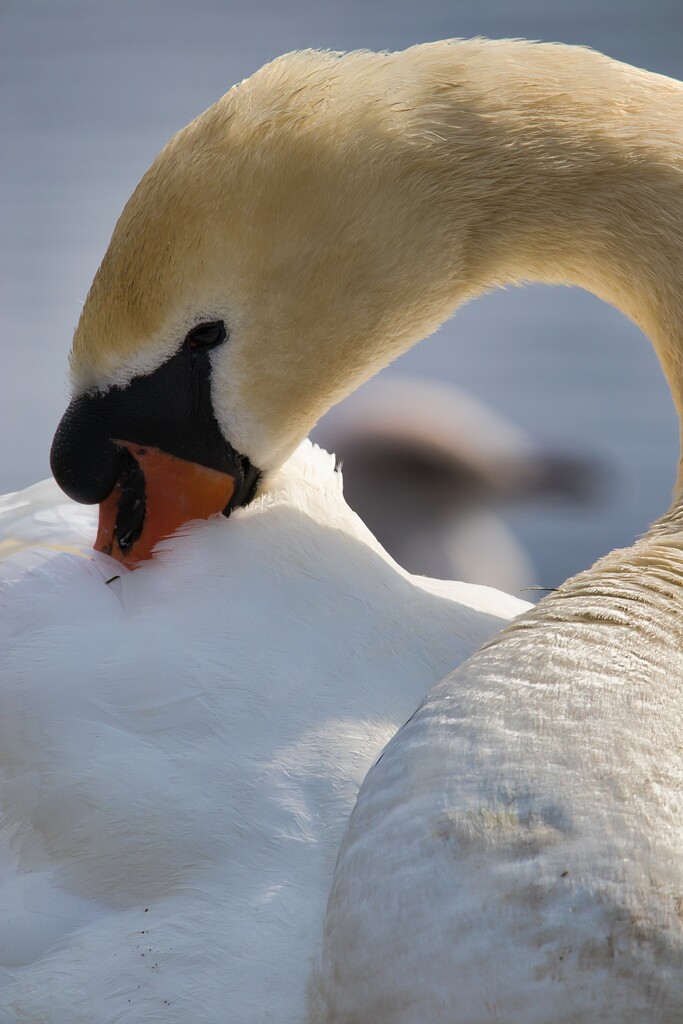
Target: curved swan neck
495,163
335,210
585,186
567,168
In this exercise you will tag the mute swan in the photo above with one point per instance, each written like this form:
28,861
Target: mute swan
513,855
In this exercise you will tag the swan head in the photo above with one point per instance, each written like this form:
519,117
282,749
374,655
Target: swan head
267,263
286,245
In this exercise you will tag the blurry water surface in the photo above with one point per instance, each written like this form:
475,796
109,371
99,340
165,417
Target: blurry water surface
91,89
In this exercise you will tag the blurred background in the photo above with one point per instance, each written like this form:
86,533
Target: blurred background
560,440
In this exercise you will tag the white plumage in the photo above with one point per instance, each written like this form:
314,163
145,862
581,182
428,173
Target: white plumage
515,855
180,754
181,748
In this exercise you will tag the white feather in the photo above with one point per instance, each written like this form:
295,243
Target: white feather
181,748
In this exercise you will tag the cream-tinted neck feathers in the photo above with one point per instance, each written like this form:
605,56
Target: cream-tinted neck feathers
336,209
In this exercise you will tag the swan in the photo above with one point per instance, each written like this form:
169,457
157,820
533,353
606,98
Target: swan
512,854
426,467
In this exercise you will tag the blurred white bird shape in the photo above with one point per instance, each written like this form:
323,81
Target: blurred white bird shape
428,469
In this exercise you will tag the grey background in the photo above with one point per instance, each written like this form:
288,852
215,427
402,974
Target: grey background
91,89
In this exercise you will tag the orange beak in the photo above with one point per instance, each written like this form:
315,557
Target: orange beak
175,492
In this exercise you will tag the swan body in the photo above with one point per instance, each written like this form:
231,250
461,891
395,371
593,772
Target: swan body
179,757
526,822
514,854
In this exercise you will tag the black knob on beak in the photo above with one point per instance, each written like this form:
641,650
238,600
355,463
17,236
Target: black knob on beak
83,459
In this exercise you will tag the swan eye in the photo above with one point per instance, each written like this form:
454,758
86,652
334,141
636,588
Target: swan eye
205,336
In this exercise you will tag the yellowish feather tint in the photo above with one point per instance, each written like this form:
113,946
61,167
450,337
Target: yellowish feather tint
514,854
336,208
13,545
